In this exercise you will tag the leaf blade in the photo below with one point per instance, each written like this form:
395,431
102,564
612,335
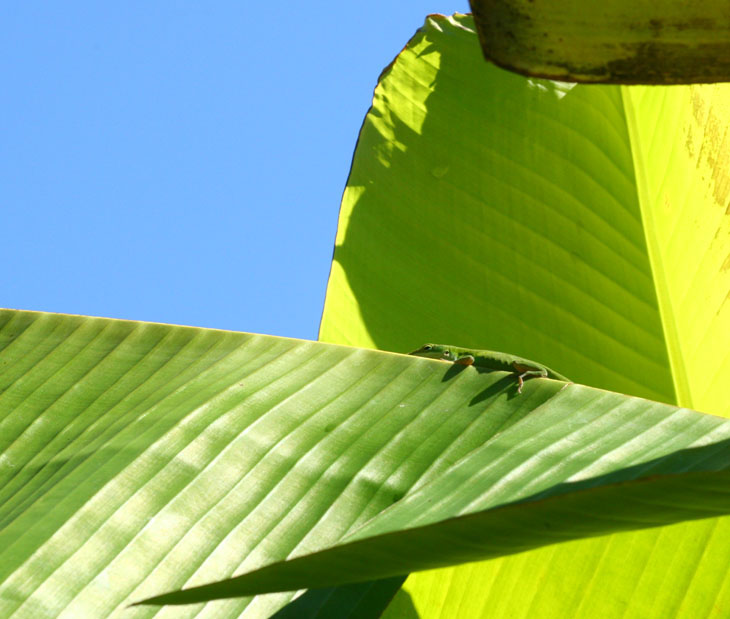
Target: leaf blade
561,473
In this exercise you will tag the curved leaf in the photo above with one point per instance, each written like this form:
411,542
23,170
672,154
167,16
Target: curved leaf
622,41
584,462
505,212
138,457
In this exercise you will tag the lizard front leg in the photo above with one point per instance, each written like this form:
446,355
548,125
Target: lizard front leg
526,371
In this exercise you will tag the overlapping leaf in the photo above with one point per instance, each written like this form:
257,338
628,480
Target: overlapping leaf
584,462
622,41
139,458
585,226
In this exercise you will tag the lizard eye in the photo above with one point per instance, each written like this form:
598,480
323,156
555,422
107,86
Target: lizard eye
427,347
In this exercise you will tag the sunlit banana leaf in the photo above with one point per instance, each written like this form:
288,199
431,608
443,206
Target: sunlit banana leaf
584,226
584,462
139,457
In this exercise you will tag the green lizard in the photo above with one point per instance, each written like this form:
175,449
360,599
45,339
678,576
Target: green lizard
489,359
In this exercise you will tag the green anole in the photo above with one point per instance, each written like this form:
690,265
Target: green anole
490,360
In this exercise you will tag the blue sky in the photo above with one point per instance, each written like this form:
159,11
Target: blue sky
184,162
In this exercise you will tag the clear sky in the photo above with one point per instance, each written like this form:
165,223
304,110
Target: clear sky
183,162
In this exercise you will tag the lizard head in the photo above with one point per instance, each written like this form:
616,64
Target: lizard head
434,351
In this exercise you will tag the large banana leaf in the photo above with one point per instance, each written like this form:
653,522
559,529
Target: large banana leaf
138,458
584,463
584,226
